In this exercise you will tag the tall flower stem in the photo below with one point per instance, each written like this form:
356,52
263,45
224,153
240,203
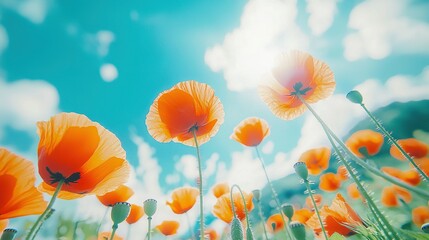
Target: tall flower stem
370,202
244,202
114,228
359,161
149,230
316,209
394,142
47,210
276,199
262,219
128,232
200,185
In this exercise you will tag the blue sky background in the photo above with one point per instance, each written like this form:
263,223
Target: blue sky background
52,53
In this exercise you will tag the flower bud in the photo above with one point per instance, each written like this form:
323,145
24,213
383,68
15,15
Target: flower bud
354,97
257,195
120,212
287,210
425,227
301,170
8,234
298,229
149,207
236,229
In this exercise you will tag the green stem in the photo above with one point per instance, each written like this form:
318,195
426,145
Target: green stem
114,227
394,142
149,219
47,216
379,223
244,202
362,163
75,230
48,208
276,199
102,220
200,185
360,187
316,209
262,219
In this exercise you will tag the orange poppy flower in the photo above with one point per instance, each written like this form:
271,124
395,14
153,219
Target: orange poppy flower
412,146
302,215
342,173
353,191
3,224
275,223
107,235
211,234
297,73
186,106
184,198
365,142
223,208
220,189
317,160
329,182
19,197
136,213
336,217
420,215
85,155
317,198
390,195
410,176
168,227
121,194
251,131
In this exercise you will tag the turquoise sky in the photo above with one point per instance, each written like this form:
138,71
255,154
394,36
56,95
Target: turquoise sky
156,44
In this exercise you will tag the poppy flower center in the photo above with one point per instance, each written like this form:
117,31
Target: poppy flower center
57,177
299,89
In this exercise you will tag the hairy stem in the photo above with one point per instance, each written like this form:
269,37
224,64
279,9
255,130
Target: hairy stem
31,235
200,185
394,142
275,196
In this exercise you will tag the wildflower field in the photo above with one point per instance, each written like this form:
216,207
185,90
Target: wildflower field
112,127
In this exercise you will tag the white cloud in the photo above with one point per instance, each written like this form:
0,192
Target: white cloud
24,102
321,15
33,10
99,42
383,26
188,166
268,147
108,72
267,27
4,39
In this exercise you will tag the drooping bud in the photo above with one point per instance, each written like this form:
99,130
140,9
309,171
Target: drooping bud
236,229
149,207
425,227
120,212
287,210
8,234
257,195
355,97
301,170
298,229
